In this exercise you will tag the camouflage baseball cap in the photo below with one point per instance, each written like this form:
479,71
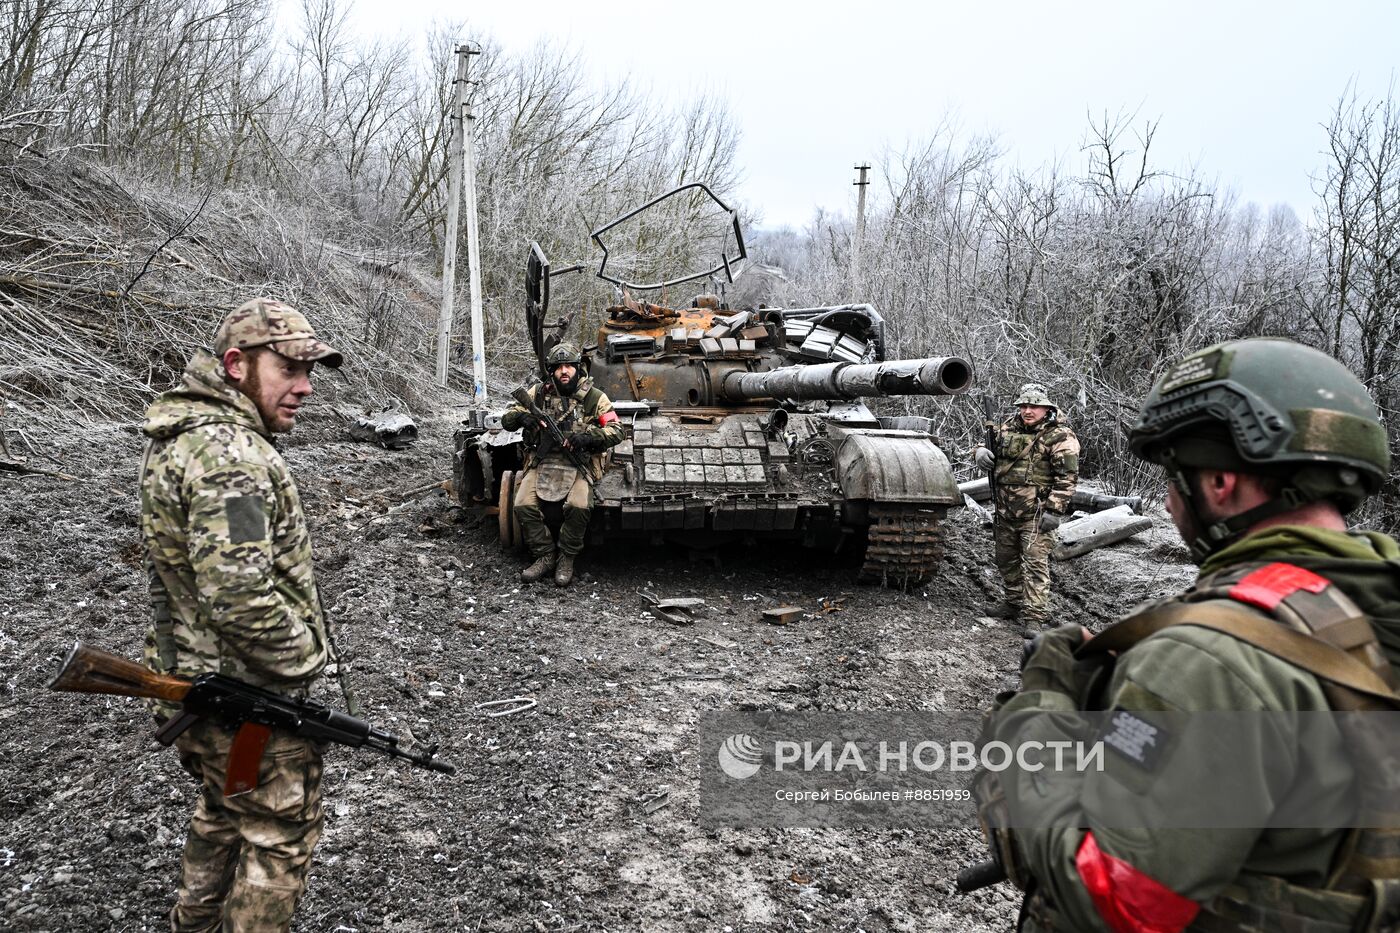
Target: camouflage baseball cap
264,322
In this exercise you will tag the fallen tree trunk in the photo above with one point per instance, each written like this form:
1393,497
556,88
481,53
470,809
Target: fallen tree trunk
1095,531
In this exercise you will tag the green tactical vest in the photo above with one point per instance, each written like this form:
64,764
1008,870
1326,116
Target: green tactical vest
1023,457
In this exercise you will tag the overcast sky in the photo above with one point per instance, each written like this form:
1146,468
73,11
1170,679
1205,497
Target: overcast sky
1240,89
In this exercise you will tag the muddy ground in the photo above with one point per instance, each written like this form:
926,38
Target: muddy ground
549,823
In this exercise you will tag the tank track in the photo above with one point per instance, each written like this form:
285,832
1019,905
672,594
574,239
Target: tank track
904,543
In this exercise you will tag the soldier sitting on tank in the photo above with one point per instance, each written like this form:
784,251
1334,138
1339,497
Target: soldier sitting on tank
590,426
1033,459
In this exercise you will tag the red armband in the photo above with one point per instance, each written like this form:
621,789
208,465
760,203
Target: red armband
607,418
1128,900
1271,585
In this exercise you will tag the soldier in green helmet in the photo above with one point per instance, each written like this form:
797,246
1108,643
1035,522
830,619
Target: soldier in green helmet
1033,460
585,415
233,592
1266,445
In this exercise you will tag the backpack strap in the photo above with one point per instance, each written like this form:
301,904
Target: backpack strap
1315,626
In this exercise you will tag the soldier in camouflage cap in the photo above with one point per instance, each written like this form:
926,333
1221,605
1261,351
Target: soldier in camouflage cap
229,559
1267,445
585,415
1033,460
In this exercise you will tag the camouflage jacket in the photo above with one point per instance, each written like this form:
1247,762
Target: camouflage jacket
1036,468
588,410
225,535
1190,669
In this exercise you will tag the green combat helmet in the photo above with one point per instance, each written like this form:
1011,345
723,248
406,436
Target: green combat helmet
562,353
1265,406
1033,393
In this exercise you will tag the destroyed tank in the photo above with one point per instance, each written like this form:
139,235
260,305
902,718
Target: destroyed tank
744,426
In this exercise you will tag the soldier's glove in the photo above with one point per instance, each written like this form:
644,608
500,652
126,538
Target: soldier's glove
984,459
585,442
1049,521
1051,665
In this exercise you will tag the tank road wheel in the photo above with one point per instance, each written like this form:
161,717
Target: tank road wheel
517,537
904,543
505,507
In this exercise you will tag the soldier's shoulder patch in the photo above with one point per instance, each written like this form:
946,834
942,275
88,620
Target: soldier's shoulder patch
1135,738
247,520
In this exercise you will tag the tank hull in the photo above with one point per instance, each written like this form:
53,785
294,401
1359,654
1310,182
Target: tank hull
835,481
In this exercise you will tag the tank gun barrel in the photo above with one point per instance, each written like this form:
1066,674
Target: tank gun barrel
939,375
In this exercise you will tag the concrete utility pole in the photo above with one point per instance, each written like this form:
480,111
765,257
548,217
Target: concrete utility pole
860,183
474,259
462,156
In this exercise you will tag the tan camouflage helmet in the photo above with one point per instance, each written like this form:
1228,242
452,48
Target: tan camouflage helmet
1033,393
264,322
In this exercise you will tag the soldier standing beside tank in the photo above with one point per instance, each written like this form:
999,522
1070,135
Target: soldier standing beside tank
590,426
1033,460
229,560
1266,445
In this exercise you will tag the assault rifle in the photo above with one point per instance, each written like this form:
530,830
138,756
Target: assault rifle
990,442
580,462
254,711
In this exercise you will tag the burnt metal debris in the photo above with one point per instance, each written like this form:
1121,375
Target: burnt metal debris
392,429
743,425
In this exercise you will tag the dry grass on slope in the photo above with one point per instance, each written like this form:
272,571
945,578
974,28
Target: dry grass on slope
108,281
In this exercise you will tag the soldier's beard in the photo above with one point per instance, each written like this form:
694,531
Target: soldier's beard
565,388
251,385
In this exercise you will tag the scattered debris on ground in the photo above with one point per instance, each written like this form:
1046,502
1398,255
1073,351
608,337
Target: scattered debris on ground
392,429
1098,530
783,615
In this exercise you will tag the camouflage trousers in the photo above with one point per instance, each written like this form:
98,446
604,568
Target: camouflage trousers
246,857
1023,557
577,506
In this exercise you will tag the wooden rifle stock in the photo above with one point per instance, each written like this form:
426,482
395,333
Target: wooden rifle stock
92,670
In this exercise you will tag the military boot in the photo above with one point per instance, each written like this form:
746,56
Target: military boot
564,572
539,568
1035,623
1006,610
